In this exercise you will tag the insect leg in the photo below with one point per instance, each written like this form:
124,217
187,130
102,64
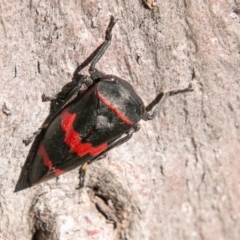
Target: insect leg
124,139
95,74
28,140
157,109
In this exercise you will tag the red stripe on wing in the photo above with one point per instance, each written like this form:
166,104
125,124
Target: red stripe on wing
115,109
73,138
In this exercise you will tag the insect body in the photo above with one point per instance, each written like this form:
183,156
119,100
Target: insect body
90,116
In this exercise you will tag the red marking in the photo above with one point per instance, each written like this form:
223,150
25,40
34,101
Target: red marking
87,219
47,162
114,109
91,233
58,171
73,138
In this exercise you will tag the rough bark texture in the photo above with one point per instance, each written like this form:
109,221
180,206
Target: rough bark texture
178,177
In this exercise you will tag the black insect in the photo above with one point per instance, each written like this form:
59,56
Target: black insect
91,115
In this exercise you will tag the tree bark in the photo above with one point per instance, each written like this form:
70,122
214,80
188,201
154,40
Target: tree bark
178,177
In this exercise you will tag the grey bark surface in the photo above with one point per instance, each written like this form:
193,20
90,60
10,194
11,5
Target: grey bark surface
178,177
